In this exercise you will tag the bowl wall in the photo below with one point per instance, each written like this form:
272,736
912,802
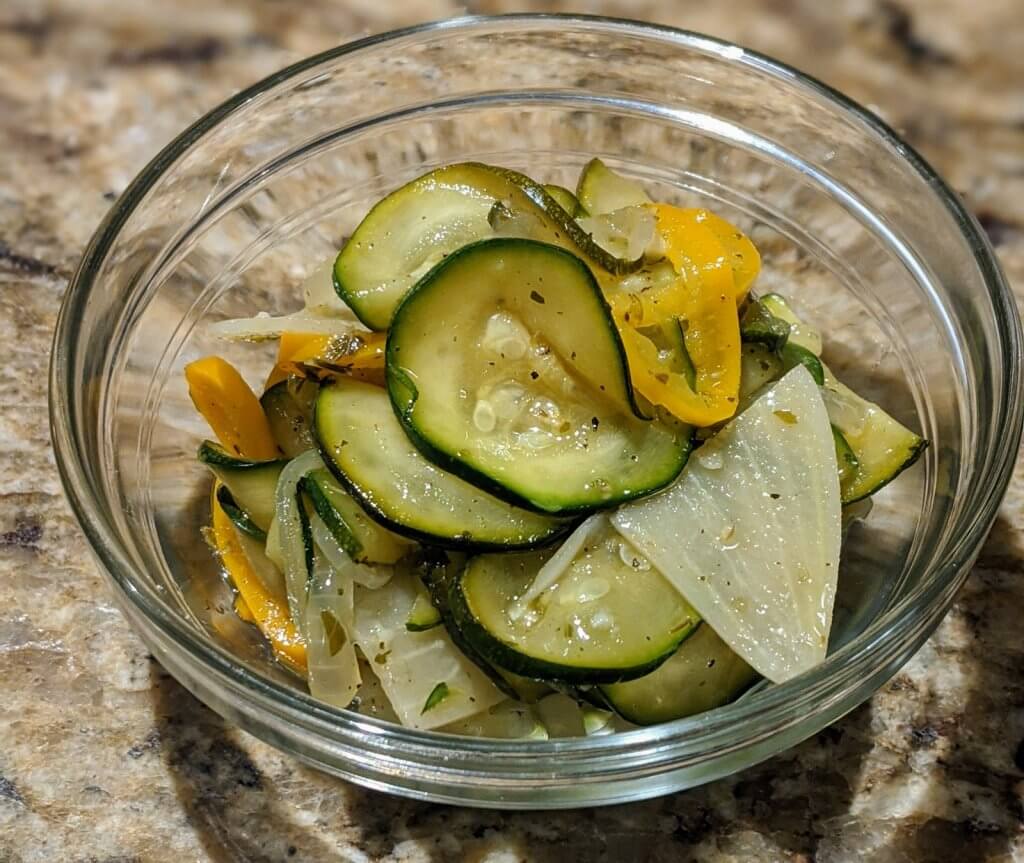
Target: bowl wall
236,213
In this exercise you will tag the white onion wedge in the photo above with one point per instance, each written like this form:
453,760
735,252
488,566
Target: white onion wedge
750,533
412,665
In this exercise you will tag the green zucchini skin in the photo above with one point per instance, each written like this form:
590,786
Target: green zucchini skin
422,317
362,538
350,448
331,517
213,455
793,355
881,446
565,199
424,614
759,325
846,458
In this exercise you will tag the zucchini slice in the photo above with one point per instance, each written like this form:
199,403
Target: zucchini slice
239,517
423,615
800,333
759,367
759,325
600,190
793,354
701,675
565,199
505,367
439,577
416,226
360,536
881,447
611,616
363,444
252,483
846,458
289,409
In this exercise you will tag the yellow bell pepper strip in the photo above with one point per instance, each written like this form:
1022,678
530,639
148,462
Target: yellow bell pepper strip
704,298
293,348
269,612
234,413
741,254
242,610
297,349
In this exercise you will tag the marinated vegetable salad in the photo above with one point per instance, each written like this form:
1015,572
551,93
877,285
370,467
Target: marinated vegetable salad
534,463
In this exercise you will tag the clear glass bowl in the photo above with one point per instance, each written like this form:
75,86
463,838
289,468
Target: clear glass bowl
231,216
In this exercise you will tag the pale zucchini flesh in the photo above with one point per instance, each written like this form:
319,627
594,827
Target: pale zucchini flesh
601,190
289,409
881,447
362,538
565,199
701,675
239,517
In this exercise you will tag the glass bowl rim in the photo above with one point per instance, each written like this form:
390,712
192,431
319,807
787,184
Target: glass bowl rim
896,629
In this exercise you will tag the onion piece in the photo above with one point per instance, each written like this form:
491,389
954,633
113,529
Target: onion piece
264,327
327,624
372,577
560,561
324,314
290,532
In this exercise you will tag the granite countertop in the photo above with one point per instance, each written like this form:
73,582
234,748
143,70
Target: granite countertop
103,757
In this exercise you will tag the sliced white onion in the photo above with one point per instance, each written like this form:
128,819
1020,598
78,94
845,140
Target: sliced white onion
270,576
320,297
373,577
561,716
289,526
509,720
327,625
263,327
411,665
597,722
559,562
753,542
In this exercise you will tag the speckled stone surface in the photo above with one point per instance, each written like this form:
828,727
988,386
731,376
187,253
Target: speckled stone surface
103,757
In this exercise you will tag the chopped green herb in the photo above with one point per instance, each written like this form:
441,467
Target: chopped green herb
438,694
334,631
